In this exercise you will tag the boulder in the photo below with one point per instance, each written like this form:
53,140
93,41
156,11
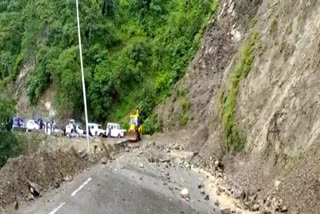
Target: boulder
103,161
207,197
35,189
185,193
226,211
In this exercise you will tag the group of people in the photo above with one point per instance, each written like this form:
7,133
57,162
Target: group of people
16,122
48,126
74,129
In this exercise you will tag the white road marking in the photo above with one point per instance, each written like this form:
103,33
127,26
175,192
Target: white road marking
80,187
58,208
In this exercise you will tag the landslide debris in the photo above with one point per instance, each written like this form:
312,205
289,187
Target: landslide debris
214,188
26,177
254,103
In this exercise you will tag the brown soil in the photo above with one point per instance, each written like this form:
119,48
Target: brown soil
47,170
57,162
277,107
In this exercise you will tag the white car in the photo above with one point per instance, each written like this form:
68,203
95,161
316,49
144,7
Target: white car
74,129
32,125
114,130
96,130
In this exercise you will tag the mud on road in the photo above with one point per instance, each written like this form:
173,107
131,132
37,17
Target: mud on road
147,177
53,162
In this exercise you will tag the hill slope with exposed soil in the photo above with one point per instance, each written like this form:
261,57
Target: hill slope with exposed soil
251,99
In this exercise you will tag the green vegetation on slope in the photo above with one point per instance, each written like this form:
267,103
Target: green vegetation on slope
134,50
152,124
234,140
10,146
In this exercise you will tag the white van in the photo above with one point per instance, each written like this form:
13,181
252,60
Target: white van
32,125
96,130
113,130
74,129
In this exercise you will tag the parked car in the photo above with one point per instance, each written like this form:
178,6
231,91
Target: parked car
114,130
32,125
17,122
73,129
96,130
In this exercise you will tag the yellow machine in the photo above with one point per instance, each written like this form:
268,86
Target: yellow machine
135,130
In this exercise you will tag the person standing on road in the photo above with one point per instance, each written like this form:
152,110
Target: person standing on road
10,125
109,133
64,130
90,134
40,123
50,127
45,126
54,126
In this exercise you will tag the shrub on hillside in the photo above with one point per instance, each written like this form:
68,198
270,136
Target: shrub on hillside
9,144
152,125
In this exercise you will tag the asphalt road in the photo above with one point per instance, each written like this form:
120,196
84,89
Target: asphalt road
124,187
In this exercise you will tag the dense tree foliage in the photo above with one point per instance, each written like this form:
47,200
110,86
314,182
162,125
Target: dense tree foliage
134,50
9,144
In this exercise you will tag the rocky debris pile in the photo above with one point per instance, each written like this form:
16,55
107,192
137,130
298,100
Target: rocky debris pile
201,187
27,177
2,210
272,205
253,202
174,156
103,161
249,200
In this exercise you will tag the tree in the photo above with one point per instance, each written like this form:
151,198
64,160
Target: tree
6,112
67,78
9,144
109,7
127,45
102,89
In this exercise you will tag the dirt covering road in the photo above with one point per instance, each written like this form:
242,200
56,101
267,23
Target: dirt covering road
148,177
121,187
54,161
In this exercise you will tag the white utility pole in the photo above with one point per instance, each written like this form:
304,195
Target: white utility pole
83,80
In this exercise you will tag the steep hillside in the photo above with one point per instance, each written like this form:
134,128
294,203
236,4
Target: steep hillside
134,52
249,97
252,97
